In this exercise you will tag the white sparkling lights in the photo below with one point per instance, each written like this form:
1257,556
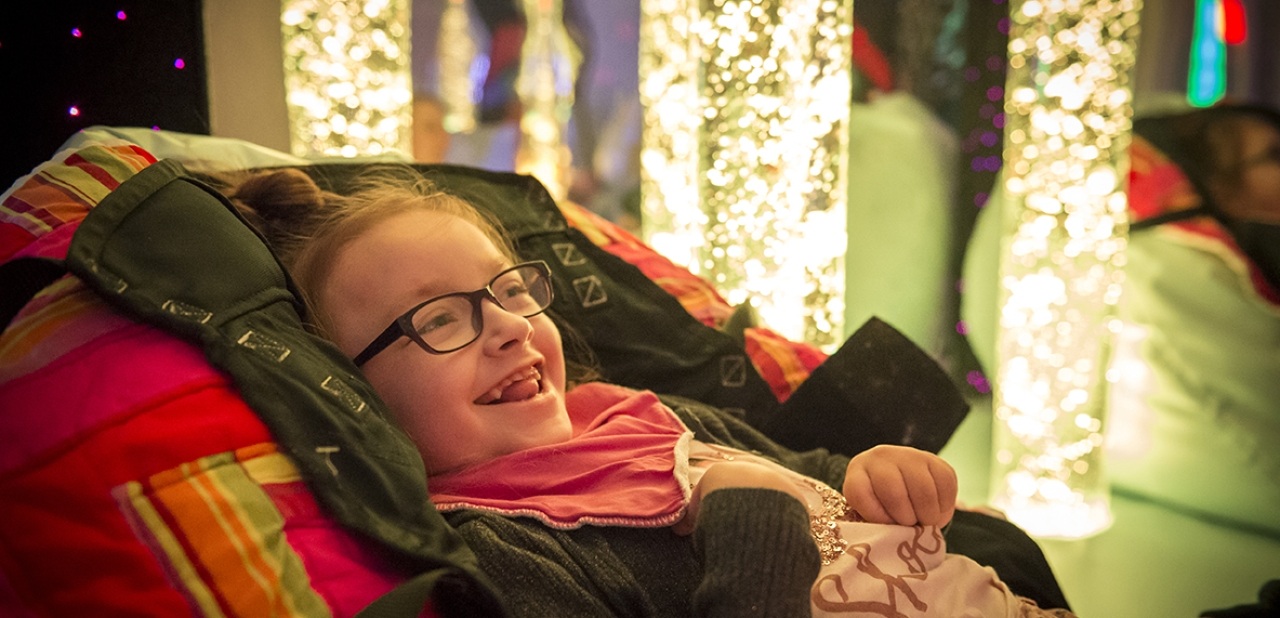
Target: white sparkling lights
548,69
1067,121
744,160
347,77
457,55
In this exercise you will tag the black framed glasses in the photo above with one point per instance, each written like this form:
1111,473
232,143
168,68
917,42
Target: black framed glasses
453,321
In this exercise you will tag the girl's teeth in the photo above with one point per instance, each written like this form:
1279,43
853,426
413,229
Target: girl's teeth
496,394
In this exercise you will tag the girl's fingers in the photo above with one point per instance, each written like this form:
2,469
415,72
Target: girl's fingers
891,490
862,498
902,486
923,493
948,486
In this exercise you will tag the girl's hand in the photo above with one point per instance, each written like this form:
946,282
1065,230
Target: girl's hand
730,474
901,485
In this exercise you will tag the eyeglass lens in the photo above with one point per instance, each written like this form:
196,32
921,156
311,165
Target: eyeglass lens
453,321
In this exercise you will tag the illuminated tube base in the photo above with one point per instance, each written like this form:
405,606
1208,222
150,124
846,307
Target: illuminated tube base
1072,516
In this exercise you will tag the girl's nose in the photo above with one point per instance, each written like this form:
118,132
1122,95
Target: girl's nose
502,329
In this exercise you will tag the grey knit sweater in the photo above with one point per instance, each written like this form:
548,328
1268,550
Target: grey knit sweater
751,554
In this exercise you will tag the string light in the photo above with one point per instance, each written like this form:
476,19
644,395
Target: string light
347,78
744,157
1068,111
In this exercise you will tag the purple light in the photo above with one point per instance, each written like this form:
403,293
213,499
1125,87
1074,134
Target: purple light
155,127
962,328
1003,25
121,16
75,32
989,139
995,93
998,121
987,110
971,74
978,382
179,63
980,199
995,63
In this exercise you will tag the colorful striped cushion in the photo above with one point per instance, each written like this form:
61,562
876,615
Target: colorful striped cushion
133,478
62,192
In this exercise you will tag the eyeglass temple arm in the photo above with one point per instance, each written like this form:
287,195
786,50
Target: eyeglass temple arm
388,336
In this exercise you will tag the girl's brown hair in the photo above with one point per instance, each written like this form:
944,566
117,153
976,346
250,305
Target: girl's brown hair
306,227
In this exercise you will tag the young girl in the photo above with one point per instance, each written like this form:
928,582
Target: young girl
598,500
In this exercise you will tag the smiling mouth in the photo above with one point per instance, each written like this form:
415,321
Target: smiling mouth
517,387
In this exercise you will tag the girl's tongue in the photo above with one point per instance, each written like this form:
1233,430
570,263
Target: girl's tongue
517,388
518,391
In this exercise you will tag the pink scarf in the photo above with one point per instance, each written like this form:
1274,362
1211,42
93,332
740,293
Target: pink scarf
626,465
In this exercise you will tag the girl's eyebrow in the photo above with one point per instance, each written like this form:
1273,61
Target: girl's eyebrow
435,287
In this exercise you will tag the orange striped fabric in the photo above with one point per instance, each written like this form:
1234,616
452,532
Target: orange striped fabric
53,312
63,190
779,362
221,536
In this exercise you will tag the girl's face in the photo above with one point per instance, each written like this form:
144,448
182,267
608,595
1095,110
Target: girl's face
446,402
1251,190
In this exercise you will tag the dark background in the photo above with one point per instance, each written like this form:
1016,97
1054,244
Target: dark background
118,72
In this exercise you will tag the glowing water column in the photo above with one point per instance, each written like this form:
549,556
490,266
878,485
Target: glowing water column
548,69
347,79
1068,114
744,159
457,52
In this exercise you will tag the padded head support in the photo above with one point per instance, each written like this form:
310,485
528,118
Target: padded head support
173,253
